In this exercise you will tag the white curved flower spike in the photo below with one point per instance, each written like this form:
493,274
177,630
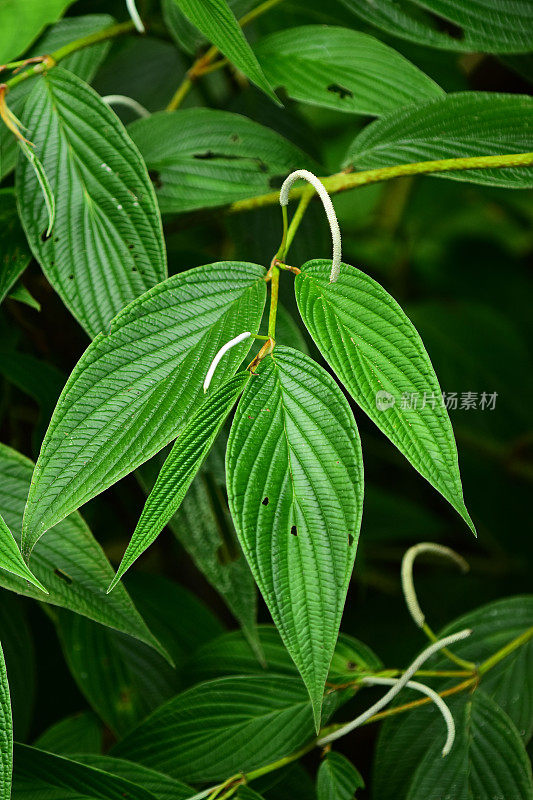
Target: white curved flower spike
328,208
128,102
224,349
408,586
134,14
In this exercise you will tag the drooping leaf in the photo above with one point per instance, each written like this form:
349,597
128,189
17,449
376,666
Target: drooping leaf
376,352
460,125
82,63
79,733
11,557
202,157
490,26
342,69
21,23
161,786
337,778
70,563
107,246
295,487
6,733
14,253
220,727
134,388
184,33
178,471
216,20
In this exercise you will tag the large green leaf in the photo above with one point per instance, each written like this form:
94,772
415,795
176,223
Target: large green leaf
186,35
135,387
70,563
216,20
295,487
201,157
6,733
21,23
342,69
337,778
83,63
491,26
378,355
458,126
487,760
161,786
178,471
224,726
14,253
11,558
107,245
79,733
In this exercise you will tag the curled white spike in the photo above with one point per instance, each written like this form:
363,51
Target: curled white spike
328,208
224,349
408,586
398,686
134,14
437,699
129,102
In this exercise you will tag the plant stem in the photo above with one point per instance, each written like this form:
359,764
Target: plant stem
343,181
274,290
305,199
204,64
509,648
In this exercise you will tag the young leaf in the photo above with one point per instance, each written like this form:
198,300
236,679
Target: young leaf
342,69
378,355
184,461
458,126
135,387
222,726
70,563
11,558
79,733
161,786
217,22
6,733
295,487
15,255
107,246
337,778
202,157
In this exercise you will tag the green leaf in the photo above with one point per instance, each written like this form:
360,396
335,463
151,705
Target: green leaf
82,63
70,562
80,733
487,760
337,778
201,157
107,246
22,295
161,786
342,69
6,733
177,473
490,26
295,487
14,253
458,126
216,20
376,352
21,23
218,728
44,775
11,558
135,387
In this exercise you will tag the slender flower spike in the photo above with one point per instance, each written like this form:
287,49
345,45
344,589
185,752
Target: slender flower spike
232,342
408,586
134,14
128,102
328,208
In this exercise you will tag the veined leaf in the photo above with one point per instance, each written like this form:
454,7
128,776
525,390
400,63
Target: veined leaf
11,557
184,33
224,726
82,63
79,733
216,20
70,562
489,26
295,487
460,125
201,157
178,471
6,733
337,778
14,253
107,246
161,786
378,355
21,23
135,387
342,69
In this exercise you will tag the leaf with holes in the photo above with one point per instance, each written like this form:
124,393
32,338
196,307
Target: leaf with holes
6,733
135,387
295,487
337,778
378,355
178,471
460,125
107,245
342,69
201,157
